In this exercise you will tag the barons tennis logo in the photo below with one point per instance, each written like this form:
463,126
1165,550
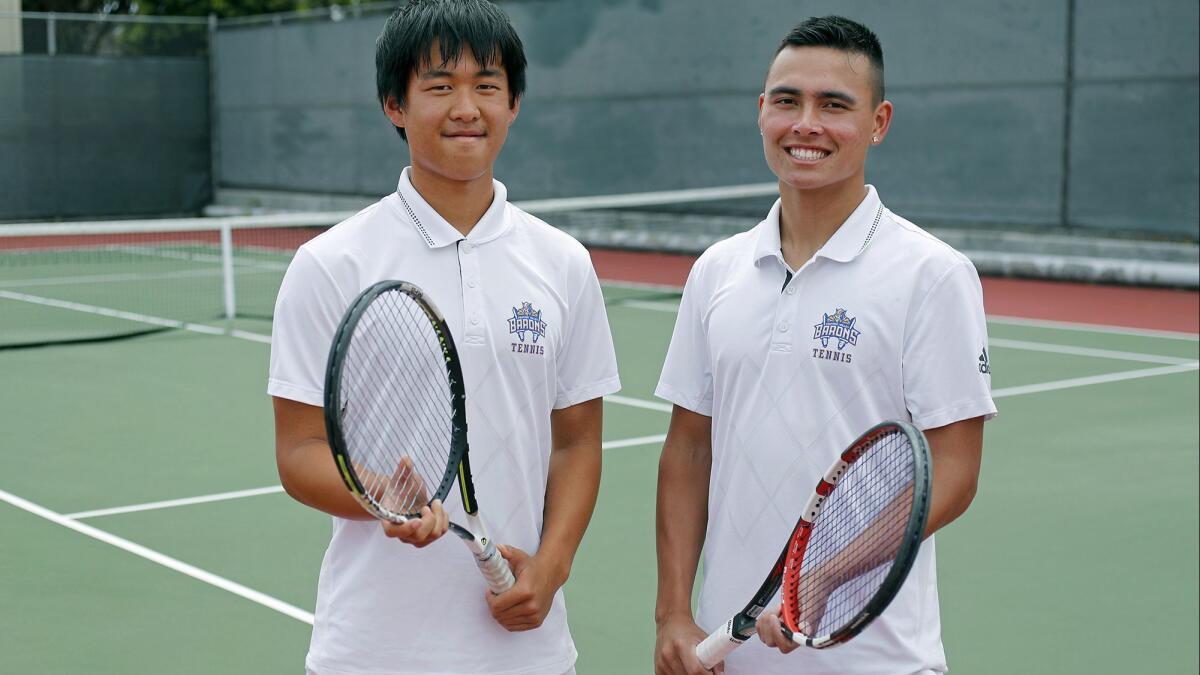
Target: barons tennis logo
527,321
840,328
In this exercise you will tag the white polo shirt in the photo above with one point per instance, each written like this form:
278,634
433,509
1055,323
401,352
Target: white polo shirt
384,606
884,322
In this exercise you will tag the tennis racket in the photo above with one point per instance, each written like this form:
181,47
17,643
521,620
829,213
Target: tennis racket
396,415
851,548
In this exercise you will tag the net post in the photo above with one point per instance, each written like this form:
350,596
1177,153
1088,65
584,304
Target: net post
227,270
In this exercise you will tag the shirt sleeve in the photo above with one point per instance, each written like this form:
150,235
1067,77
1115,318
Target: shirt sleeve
587,362
307,312
947,374
686,378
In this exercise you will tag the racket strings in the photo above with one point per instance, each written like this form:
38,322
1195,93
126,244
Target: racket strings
397,405
431,419
853,541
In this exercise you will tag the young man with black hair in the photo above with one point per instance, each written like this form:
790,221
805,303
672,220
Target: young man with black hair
403,598
765,399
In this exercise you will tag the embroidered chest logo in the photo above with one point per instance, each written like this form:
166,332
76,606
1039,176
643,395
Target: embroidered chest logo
526,323
837,328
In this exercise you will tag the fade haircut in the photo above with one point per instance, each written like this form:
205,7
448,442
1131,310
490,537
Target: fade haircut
407,42
839,33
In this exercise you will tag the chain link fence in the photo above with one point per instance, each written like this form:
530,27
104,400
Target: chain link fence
52,34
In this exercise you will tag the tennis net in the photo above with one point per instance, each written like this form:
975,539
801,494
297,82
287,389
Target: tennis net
86,282
62,283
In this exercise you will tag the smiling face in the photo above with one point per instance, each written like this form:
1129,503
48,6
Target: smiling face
818,117
456,116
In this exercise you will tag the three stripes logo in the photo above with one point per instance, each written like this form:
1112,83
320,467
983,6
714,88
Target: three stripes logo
983,363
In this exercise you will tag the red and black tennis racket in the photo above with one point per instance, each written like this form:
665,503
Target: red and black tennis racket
851,549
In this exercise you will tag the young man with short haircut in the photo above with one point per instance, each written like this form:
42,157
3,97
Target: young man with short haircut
765,399
403,599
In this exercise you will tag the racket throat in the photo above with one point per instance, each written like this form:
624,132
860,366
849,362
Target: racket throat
473,534
491,564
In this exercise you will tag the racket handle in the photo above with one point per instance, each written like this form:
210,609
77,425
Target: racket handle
717,646
495,568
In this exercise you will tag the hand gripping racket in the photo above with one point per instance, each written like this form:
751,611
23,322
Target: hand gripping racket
396,415
851,549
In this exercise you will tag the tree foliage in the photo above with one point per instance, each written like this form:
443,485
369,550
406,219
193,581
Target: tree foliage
222,8
141,39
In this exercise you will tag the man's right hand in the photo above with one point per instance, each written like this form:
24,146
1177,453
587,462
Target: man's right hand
675,648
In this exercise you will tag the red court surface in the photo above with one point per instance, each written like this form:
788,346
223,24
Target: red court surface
1130,307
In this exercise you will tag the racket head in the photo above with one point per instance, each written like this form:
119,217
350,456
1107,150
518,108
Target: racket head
871,510
395,404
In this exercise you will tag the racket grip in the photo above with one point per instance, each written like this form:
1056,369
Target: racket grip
718,645
495,568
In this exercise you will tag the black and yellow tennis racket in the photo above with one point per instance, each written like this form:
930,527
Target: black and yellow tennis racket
851,549
396,415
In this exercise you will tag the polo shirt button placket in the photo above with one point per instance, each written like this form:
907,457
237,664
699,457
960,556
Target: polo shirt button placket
474,309
781,338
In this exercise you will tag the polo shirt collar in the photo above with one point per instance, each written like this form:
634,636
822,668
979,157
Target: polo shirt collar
846,243
769,244
436,231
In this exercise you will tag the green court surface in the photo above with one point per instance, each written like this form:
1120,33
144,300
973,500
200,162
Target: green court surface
1079,555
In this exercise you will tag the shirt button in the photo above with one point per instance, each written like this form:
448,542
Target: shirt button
791,290
475,320
472,283
467,248
783,327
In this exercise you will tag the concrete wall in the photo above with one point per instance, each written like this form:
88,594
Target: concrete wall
632,95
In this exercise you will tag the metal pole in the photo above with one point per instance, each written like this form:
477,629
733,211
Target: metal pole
1064,216
214,112
227,270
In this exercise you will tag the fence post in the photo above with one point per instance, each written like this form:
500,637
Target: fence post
1064,192
214,112
51,32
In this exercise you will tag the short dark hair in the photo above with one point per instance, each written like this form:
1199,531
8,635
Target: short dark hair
406,43
842,34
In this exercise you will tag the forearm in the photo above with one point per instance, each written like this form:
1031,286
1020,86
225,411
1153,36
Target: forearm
572,484
682,515
571,489
309,475
305,462
956,451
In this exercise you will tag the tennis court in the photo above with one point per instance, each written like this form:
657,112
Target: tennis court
145,530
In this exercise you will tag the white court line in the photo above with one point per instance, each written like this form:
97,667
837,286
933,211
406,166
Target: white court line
1085,351
1094,328
651,305
160,559
252,337
115,313
241,269
187,501
1094,379
34,282
639,403
631,442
